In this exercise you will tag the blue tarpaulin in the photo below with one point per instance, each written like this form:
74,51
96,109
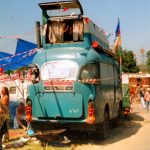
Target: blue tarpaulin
24,54
5,58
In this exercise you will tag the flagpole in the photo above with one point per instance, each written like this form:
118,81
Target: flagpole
117,45
120,53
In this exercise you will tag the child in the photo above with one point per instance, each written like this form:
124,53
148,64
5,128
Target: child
20,114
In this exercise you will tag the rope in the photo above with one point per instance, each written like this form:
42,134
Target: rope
19,36
60,80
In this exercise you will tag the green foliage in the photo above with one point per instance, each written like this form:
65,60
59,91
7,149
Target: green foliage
128,61
148,61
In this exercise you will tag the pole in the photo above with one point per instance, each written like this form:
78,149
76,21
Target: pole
120,59
142,50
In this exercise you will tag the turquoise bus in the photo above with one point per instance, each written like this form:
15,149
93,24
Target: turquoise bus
76,77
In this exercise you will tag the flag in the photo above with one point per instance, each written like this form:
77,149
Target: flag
118,28
117,42
65,9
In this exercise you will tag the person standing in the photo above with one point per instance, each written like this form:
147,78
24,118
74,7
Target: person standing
5,96
142,98
20,115
147,98
5,102
4,117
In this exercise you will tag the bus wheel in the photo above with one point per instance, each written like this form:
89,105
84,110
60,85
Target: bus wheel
105,126
117,120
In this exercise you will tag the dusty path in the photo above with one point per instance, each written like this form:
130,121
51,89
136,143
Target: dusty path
133,134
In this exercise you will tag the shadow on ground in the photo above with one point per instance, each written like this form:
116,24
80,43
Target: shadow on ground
128,127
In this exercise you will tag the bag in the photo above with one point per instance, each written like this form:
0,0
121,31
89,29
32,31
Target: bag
29,130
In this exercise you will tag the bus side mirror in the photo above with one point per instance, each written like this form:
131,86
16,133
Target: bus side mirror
34,74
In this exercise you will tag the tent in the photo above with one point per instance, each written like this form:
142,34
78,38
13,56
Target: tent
24,54
5,58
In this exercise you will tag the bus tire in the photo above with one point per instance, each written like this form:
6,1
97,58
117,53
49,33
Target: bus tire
120,110
117,120
105,126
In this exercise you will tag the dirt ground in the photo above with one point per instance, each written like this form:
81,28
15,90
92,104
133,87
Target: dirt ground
132,134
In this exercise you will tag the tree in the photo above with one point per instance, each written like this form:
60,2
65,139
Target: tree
148,61
128,61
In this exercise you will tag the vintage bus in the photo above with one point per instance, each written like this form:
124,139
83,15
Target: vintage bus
76,83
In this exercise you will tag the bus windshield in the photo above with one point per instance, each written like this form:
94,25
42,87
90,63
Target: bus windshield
64,69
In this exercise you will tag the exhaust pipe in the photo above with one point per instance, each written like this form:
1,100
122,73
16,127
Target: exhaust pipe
38,35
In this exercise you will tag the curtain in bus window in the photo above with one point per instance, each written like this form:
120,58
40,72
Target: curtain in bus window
77,30
56,32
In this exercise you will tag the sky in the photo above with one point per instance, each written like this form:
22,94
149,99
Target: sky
18,17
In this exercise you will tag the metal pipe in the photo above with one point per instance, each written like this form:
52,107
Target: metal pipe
38,35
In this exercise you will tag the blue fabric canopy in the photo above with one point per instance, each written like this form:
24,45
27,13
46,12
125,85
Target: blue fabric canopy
4,60
25,52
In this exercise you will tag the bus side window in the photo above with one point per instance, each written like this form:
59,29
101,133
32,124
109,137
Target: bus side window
90,71
85,74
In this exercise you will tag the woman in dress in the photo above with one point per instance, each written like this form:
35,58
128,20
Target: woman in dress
4,102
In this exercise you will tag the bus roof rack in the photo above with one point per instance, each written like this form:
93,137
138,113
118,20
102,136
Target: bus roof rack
60,4
97,47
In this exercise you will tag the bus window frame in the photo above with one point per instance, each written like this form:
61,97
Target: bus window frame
98,73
